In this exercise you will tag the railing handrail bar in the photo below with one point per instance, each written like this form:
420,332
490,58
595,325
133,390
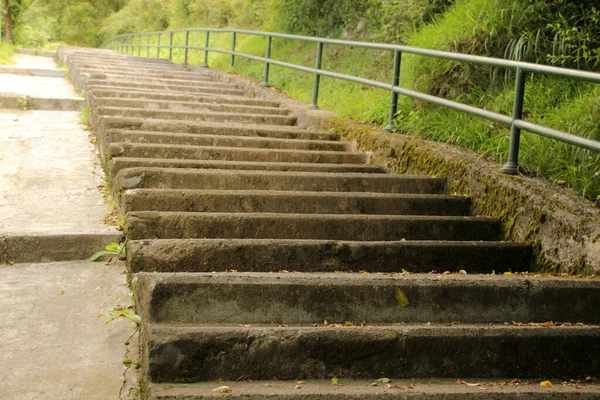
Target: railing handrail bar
447,55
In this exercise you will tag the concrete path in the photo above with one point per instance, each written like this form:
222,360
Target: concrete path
52,345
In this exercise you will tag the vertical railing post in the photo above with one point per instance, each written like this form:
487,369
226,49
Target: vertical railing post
265,81
170,46
233,35
206,41
158,45
394,98
315,94
185,51
139,44
515,133
148,46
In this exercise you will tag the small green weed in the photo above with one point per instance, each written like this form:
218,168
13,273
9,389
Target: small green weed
113,249
125,311
84,116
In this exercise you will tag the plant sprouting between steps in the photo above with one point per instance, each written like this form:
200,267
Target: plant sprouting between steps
127,311
113,249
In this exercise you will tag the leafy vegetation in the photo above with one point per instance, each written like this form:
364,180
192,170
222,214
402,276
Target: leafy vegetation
6,52
112,249
560,32
126,312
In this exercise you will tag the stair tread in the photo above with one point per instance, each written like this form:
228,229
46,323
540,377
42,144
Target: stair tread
431,389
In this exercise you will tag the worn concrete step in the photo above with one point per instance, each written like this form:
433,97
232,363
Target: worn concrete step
101,73
51,247
414,389
292,202
118,59
121,65
190,225
162,96
210,128
260,255
200,115
206,88
186,106
177,178
140,150
190,139
355,299
207,353
119,163
151,83
161,84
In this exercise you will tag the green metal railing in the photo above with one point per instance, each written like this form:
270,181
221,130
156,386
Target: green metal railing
128,43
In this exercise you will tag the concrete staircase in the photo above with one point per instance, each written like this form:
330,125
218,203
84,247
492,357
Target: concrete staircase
272,258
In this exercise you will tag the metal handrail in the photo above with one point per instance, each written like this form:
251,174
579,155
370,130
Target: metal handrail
127,43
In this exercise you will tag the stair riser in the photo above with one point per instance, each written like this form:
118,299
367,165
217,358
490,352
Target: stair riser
145,82
221,141
189,106
102,73
301,301
119,163
106,123
148,225
143,178
242,201
197,116
168,97
267,256
168,88
320,353
232,154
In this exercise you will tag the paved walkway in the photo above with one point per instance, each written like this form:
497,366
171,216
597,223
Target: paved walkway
52,345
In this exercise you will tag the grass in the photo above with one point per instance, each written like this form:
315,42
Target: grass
6,53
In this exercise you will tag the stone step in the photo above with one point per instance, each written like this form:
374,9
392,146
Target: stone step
162,96
210,128
119,163
189,139
125,65
414,389
150,83
207,89
208,353
190,225
200,115
260,255
102,73
139,150
160,83
42,247
118,59
173,178
187,106
292,202
356,299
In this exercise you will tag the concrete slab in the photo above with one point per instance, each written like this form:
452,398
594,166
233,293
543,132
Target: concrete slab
33,61
52,345
37,86
49,175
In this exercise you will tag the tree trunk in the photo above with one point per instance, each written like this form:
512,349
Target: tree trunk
8,22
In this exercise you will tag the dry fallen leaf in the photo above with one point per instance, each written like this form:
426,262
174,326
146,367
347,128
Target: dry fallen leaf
299,382
383,380
268,385
401,298
223,389
462,272
547,384
298,387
